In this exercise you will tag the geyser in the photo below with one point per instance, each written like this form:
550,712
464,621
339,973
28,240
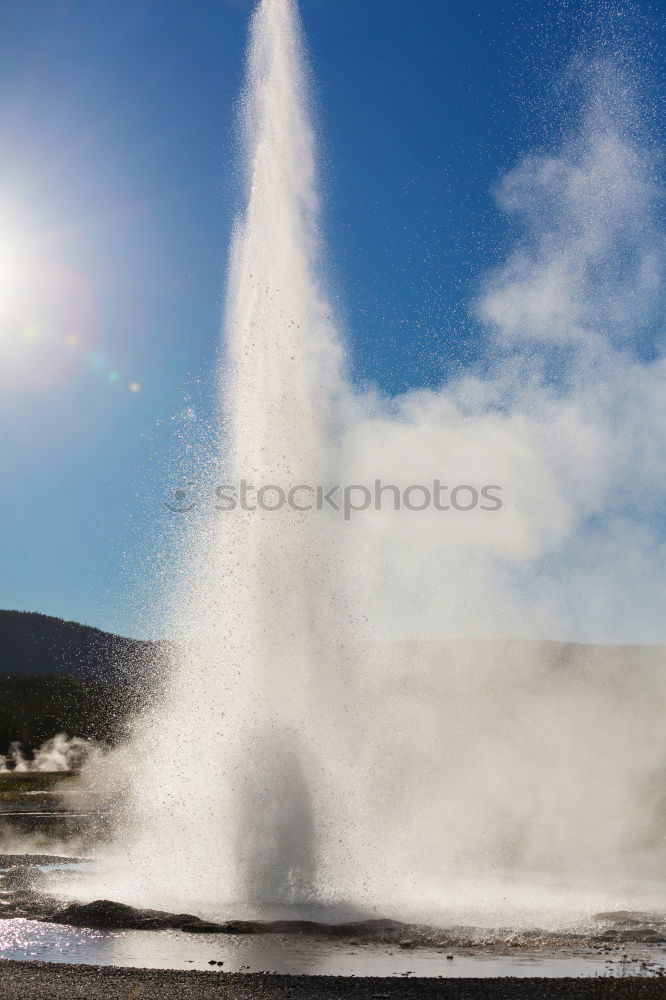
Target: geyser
256,609
309,747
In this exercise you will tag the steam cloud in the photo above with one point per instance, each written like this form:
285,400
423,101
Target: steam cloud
60,753
566,412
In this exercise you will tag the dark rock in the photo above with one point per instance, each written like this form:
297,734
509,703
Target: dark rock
104,913
370,930
198,926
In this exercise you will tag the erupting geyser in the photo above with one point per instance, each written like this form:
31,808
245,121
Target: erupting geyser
290,760
257,608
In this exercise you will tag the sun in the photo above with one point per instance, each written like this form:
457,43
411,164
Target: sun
46,312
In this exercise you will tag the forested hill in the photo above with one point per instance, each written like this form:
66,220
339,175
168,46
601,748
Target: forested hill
32,644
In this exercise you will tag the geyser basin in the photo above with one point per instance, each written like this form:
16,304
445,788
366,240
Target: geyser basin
293,760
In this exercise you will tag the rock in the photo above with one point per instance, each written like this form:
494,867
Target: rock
197,926
106,914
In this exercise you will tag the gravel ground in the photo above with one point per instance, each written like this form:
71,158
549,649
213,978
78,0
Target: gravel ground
43,981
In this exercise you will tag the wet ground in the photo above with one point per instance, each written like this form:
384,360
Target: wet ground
297,955
38,925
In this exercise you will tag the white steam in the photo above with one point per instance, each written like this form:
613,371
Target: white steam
567,415
60,753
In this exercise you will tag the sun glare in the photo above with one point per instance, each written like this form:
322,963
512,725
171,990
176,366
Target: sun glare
48,320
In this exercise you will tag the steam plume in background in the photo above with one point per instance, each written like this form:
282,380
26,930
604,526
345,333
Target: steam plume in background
60,753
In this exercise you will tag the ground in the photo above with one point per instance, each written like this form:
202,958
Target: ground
43,981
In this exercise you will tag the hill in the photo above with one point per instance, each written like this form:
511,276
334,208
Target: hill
60,676
33,644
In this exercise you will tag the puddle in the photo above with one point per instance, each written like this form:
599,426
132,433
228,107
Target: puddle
31,939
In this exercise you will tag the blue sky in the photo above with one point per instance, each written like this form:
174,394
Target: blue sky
118,184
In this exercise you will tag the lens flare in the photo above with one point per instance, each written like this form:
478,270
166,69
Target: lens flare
42,301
